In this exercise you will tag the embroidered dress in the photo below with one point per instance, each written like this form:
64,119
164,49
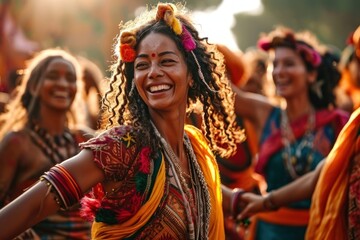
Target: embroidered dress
143,203
291,222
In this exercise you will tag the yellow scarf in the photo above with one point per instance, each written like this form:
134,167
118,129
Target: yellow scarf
209,167
328,208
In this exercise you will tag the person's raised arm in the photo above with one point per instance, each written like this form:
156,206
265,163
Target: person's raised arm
38,202
253,107
300,189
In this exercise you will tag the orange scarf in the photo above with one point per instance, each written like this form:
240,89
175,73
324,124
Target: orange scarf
350,89
209,167
328,208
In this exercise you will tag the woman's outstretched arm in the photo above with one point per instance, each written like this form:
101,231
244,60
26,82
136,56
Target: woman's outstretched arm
38,202
300,189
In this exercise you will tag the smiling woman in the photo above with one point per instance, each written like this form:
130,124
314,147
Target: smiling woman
37,131
293,140
151,176
162,78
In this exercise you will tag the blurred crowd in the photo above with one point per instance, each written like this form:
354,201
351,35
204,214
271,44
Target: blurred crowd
293,96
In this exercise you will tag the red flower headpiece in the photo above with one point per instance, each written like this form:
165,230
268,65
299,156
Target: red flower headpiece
127,53
127,44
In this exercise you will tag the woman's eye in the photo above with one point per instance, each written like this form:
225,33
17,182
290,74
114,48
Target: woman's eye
141,65
52,76
289,63
71,78
168,61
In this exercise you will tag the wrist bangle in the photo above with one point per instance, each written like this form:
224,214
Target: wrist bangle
235,198
269,204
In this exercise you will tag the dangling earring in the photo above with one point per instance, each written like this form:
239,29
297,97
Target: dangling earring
316,88
132,89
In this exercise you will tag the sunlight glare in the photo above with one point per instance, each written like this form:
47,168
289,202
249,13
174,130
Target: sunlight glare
217,24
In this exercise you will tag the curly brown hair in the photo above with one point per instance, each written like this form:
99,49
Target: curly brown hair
217,101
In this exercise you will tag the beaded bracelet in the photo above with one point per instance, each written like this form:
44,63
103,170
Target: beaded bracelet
65,186
269,204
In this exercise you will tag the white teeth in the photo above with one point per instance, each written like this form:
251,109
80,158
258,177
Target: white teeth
159,88
61,94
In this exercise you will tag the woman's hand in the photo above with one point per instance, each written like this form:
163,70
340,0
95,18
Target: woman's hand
254,203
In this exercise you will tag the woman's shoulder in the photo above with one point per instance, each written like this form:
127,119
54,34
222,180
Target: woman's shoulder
116,134
17,138
15,144
114,150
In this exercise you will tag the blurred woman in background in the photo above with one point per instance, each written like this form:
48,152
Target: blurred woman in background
41,127
293,139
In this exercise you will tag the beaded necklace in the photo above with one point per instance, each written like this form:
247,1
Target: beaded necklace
202,196
56,148
297,158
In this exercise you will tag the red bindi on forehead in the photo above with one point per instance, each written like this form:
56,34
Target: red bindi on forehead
153,55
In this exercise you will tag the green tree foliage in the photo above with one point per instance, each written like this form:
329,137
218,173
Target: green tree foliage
331,20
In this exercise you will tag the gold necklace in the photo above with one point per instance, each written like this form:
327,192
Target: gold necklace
297,157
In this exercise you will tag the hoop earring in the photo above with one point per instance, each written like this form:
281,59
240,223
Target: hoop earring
316,88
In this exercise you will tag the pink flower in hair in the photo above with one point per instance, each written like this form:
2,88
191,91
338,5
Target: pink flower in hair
264,44
187,40
311,55
316,59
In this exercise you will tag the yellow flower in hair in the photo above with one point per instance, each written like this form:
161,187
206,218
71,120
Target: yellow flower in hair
176,26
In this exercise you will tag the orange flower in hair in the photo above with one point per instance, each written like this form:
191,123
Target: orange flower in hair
127,53
127,43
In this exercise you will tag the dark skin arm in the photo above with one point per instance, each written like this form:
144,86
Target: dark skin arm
300,189
253,107
35,204
10,155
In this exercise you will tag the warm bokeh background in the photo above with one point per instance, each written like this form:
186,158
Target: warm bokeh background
88,27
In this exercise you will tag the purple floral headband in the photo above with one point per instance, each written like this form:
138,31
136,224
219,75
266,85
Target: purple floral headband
311,55
166,12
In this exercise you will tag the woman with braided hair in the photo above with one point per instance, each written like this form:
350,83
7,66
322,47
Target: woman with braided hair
296,137
147,175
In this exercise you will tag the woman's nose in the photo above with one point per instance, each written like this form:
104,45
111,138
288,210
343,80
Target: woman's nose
277,70
155,71
63,81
